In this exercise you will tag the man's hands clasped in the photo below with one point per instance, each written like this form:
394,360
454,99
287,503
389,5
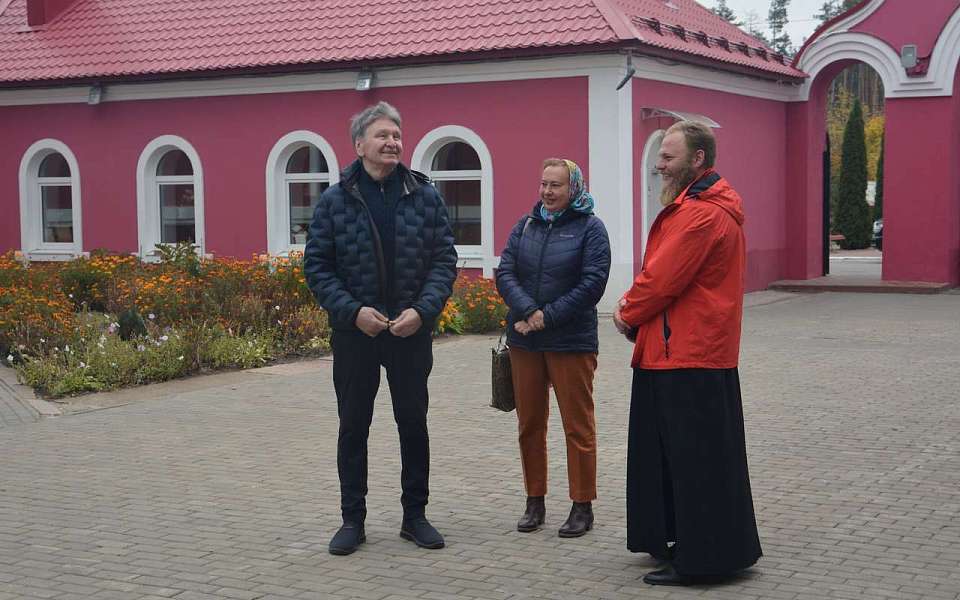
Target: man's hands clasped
372,322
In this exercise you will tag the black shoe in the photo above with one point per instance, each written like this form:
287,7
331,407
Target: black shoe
667,576
533,518
347,539
579,522
419,531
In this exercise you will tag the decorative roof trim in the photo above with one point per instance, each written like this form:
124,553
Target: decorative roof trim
710,41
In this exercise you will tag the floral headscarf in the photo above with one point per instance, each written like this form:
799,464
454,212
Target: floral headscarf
580,199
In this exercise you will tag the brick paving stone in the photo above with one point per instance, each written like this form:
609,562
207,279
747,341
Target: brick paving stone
229,489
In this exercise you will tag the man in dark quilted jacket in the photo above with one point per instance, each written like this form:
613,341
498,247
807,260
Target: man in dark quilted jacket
380,260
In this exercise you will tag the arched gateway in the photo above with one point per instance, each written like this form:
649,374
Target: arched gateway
922,109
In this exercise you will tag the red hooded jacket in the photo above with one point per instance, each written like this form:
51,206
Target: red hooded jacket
687,301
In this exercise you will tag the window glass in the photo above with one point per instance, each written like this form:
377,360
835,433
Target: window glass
54,165
57,213
307,160
177,216
456,156
174,162
303,196
463,205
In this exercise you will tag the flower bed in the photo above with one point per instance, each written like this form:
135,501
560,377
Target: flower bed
109,321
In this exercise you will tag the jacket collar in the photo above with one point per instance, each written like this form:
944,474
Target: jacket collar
411,180
711,187
567,216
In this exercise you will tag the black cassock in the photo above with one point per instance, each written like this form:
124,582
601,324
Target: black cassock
687,477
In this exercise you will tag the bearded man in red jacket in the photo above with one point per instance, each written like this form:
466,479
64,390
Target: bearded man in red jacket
688,487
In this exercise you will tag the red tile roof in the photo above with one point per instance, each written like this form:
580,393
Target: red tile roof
141,38
686,26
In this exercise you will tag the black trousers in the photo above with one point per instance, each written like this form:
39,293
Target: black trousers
687,475
357,359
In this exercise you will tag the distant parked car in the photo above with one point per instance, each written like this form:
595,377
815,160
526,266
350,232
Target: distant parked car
878,234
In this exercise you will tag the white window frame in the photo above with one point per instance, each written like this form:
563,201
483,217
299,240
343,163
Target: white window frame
31,203
148,196
278,189
473,256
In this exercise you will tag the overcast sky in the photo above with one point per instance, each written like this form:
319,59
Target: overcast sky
800,13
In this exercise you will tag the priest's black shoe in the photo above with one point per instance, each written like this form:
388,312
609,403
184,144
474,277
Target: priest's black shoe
419,531
533,518
347,539
667,576
579,522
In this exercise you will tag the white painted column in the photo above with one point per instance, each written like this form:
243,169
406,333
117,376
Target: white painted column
611,170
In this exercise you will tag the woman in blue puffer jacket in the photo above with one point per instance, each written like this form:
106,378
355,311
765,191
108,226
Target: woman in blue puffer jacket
552,274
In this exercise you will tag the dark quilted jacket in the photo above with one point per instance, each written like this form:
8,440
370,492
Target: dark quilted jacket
343,260
560,268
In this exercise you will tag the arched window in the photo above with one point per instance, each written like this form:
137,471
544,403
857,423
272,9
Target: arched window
455,171
458,162
175,190
50,201
169,195
56,199
307,175
300,167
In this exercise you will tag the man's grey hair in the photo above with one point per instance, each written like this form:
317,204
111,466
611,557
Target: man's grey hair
363,119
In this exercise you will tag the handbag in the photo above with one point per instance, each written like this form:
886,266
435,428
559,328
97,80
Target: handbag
502,378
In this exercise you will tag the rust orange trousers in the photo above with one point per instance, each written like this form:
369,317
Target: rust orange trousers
571,374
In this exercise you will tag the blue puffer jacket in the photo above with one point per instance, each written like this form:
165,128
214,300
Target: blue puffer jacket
343,260
561,268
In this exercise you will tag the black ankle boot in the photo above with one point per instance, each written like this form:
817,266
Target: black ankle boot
532,519
579,522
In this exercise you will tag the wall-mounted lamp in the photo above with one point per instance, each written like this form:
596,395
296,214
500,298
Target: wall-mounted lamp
630,71
908,56
364,81
95,95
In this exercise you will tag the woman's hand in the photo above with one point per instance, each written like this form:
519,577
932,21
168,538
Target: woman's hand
535,321
522,327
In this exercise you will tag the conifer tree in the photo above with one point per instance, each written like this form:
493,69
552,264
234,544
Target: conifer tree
777,18
853,212
725,12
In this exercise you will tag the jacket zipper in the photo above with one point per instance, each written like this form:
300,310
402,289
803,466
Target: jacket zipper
543,251
666,334
377,244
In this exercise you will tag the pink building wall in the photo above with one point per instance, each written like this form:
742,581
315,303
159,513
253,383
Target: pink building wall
908,22
921,199
751,146
233,135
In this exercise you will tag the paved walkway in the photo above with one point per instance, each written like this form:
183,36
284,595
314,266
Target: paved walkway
226,487
14,410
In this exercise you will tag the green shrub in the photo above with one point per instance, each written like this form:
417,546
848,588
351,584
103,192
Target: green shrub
305,331
243,351
84,283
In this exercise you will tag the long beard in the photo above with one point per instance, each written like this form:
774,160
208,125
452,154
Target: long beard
677,184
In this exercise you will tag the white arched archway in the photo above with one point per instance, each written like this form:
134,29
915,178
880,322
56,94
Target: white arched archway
652,183
32,241
472,256
278,205
838,43
148,194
